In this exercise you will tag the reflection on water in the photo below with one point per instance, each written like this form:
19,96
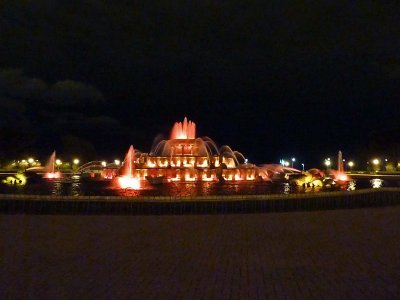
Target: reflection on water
75,186
351,186
376,183
57,188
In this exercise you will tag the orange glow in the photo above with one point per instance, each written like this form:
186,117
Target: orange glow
163,164
52,175
151,164
230,163
188,178
342,177
205,178
204,164
237,177
184,130
250,177
128,182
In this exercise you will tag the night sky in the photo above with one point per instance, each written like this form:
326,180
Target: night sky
272,79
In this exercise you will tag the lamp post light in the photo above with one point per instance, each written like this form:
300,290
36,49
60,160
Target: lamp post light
376,162
117,162
76,161
104,163
302,164
327,163
293,160
58,163
351,165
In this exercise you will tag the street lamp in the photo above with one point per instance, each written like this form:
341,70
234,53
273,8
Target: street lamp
104,163
117,162
375,161
327,163
351,165
76,161
58,163
302,164
293,160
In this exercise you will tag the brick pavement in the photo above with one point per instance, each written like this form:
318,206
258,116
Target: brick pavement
341,254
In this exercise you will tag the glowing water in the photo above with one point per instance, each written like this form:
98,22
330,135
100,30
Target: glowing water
50,168
340,162
339,174
127,178
183,131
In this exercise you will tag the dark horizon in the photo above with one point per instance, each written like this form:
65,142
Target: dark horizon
272,80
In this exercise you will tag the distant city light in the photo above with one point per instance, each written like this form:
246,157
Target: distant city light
104,163
30,160
76,161
117,162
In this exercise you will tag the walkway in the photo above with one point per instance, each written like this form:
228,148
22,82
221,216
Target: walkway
340,254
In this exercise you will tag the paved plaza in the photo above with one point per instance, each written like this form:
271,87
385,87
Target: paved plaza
340,254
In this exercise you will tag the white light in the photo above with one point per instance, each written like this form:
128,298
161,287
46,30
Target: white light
351,164
127,182
327,163
76,161
375,161
117,162
246,160
30,160
103,163
286,163
293,159
58,162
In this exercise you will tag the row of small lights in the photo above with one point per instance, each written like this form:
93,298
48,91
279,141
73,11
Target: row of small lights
286,163
59,162
283,162
374,161
327,162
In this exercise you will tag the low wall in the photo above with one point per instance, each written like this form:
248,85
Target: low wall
158,205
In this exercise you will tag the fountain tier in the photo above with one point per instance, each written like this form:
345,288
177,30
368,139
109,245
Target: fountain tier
186,158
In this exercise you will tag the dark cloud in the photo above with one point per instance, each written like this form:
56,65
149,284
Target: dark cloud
17,86
14,84
36,117
69,93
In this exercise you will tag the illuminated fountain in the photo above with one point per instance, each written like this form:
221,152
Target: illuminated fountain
128,178
49,169
339,175
186,158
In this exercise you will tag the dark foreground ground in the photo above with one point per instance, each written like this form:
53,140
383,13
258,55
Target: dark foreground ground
341,254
